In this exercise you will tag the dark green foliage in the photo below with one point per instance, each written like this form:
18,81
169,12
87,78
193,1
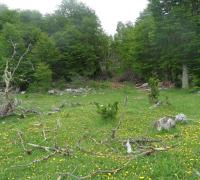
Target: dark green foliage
154,90
196,80
107,111
165,37
42,78
78,40
70,41
195,89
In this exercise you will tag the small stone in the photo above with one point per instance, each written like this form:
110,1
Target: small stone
181,118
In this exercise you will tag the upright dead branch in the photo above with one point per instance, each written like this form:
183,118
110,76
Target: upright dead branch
118,126
8,72
58,125
122,117
20,59
20,135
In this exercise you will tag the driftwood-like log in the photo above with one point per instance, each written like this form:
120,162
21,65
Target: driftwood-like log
57,149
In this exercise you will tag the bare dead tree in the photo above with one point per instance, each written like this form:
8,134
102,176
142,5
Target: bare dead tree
8,106
8,71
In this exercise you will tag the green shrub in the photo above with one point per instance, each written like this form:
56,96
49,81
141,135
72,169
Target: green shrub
194,89
107,111
42,78
195,81
154,90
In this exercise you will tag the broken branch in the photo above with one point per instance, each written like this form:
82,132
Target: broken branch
114,170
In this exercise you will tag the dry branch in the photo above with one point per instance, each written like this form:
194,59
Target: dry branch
36,161
141,140
14,49
20,59
114,131
20,135
114,170
58,125
57,149
122,117
24,112
44,134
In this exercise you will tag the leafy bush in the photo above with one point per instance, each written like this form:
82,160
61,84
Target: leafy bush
196,80
194,89
154,90
42,78
107,111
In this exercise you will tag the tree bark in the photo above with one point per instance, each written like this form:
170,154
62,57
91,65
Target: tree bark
185,77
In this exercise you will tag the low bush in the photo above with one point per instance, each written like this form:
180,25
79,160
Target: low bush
107,111
154,90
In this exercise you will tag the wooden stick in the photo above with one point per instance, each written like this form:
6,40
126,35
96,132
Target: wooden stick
114,131
21,140
142,140
59,150
20,59
48,149
114,170
36,161
122,117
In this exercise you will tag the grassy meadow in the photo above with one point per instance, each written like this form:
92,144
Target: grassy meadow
80,121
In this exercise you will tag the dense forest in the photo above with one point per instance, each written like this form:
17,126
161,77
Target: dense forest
70,43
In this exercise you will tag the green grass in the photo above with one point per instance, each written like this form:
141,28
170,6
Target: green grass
179,162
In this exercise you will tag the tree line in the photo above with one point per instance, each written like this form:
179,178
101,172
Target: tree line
164,42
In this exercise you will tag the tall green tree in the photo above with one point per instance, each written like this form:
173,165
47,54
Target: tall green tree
78,41
177,32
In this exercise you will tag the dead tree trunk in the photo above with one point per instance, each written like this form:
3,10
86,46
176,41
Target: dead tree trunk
185,77
8,104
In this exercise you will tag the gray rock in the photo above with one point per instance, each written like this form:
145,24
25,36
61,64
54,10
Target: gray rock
181,118
164,123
